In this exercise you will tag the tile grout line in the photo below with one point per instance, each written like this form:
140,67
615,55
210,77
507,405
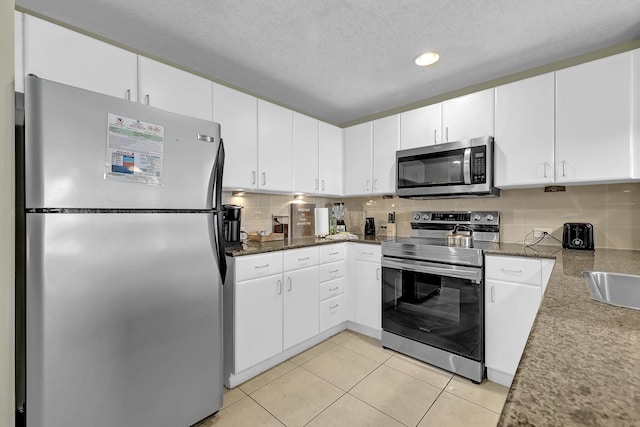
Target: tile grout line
367,403
433,403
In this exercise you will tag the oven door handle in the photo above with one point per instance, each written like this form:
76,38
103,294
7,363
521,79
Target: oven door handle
469,273
466,164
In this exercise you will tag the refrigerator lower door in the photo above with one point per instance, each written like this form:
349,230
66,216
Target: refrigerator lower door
124,322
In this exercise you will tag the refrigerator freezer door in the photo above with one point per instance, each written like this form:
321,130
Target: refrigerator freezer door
67,146
124,322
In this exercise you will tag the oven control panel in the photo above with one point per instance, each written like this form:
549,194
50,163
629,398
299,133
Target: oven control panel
466,217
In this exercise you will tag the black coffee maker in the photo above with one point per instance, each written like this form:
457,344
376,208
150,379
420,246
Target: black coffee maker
231,217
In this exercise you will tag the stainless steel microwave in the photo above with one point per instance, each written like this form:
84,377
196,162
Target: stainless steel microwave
451,170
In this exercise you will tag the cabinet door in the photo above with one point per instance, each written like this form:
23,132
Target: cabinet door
358,159
510,309
174,90
421,127
386,141
468,116
368,298
525,126
237,114
593,120
275,147
301,309
330,159
258,320
305,154
56,53
18,52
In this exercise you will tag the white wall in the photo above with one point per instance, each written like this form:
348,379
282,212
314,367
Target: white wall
7,229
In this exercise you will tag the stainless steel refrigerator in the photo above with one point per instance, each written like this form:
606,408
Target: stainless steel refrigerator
123,262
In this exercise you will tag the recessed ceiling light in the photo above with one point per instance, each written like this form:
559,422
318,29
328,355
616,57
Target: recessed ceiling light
427,58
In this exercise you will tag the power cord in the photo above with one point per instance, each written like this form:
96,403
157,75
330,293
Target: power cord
544,234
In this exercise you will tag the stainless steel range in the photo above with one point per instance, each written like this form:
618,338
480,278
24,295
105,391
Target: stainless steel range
433,290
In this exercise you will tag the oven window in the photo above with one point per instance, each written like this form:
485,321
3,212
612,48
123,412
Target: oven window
431,170
444,312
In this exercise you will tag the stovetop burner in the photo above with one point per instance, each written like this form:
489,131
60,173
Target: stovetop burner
429,231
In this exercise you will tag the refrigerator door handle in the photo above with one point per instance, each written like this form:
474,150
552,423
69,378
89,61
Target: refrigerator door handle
218,168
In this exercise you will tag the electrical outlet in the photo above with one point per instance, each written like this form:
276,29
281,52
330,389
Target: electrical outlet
539,232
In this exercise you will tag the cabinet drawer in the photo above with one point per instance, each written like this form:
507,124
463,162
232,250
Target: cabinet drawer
331,253
332,271
368,252
300,258
331,289
332,312
514,269
254,266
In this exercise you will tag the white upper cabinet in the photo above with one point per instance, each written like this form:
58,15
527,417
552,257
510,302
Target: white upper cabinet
171,89
237,114
370,156
275,148
18,52
386,140
358,159
594,121
305,154
524,137
468,116
421,126
59,54
330,159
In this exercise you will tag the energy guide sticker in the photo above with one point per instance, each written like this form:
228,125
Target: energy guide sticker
135,150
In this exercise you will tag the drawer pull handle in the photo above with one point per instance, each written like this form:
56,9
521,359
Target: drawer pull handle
333,271
367,253
262,266
304,259
334,289
504,270
334,253
334,307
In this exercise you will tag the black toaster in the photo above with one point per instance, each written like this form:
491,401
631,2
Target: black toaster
577,235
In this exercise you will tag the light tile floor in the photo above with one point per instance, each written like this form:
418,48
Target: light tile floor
350,380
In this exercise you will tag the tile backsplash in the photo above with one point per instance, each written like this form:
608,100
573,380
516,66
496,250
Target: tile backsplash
613,209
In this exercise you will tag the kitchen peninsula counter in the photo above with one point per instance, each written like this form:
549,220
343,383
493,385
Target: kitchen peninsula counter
581,364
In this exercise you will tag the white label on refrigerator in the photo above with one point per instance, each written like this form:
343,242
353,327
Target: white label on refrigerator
135,150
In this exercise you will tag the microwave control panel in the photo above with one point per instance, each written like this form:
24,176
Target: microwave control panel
478,165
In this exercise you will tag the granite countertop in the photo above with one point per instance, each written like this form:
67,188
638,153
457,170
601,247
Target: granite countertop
253,248
581,364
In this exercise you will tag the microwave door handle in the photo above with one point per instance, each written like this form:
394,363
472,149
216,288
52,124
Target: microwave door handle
466,168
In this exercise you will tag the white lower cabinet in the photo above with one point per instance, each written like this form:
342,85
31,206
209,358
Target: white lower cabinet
332,273
513,291
366,281
301,309
258,320
275,304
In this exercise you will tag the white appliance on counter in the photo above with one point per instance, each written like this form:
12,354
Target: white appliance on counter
121,274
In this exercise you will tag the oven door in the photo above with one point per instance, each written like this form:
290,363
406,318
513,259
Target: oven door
440,305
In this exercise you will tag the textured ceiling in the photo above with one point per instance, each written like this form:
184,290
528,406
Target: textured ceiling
342,60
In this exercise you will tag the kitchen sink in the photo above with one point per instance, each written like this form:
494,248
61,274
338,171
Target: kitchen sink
616,289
